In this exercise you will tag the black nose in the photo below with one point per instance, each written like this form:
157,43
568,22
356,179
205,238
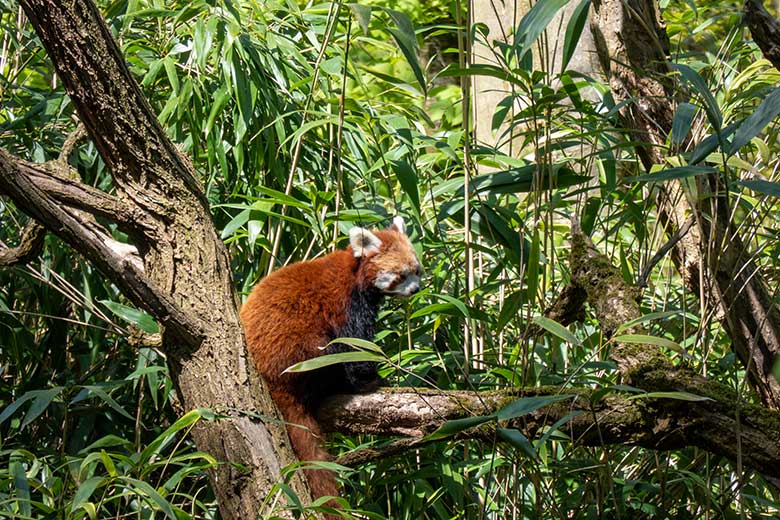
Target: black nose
415,290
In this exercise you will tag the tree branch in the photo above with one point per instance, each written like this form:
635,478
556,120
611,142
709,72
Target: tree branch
30,191
633,48
69,190
662,424
30,245
765,30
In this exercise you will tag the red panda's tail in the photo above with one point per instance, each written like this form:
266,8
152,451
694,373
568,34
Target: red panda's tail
306,436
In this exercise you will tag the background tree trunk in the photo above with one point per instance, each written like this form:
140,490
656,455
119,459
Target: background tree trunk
633,48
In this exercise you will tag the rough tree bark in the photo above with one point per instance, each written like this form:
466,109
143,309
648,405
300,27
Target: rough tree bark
633,49
185,281
765,31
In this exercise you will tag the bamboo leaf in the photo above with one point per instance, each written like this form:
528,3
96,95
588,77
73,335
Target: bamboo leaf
450,428
644,339
711,107
85,491
761,186
408,179
137,317
362,14
680,172
406,39
557,329
574,31
358,343
533,24
144,488
333,359
755,122
518,440
526,405
681,125
42,400
681,396
21,485
103,396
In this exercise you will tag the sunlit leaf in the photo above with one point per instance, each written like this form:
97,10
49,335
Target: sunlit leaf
574,31
668,174
332,359
755,122
533,24
455,426
681,396
138,318
557,329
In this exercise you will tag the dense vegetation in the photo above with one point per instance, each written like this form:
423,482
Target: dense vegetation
304,119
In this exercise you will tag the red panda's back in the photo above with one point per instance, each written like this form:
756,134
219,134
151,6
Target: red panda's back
294,311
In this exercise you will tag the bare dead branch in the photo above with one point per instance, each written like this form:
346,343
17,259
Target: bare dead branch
30,245
662,251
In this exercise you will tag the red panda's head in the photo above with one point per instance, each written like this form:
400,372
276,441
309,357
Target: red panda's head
387,259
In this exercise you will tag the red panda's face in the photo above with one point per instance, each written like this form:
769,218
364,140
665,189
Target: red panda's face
390,263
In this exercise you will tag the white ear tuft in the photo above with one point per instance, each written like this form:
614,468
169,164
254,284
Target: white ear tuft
398,224
363,242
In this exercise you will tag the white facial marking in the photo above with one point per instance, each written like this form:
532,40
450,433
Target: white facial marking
409,286
398,222
363,242
384,280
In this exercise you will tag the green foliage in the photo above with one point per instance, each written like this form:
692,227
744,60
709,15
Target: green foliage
303,119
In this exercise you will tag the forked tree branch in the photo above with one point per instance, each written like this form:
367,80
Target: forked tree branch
185,281
61,185
30,245
35,193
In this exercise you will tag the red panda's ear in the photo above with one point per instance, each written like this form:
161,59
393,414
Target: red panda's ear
363,242
398,224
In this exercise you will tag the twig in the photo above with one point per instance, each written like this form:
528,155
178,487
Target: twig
30,245
645,274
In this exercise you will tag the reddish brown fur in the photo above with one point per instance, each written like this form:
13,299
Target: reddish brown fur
293,313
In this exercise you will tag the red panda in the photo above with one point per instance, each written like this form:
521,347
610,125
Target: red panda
294,312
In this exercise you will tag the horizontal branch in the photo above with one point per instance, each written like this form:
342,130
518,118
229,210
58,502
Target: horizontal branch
84,234
715,419
715,425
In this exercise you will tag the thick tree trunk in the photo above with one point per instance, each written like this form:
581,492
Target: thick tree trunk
185,282
633,46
